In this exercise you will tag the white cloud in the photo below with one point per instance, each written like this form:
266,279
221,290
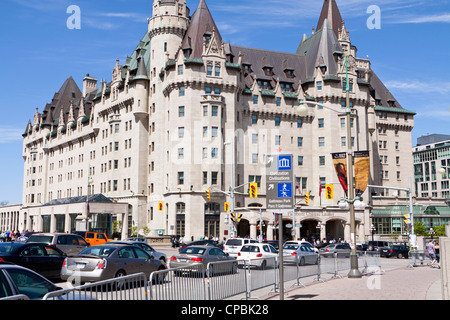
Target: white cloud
443,18
8,135
440,87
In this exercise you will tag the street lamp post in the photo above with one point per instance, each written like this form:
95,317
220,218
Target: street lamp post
302,111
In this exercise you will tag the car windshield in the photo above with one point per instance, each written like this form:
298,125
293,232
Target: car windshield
99,251
193,250
291,247
234,242
248,248
40,239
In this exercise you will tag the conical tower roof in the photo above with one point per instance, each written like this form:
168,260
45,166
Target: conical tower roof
330,12
201,23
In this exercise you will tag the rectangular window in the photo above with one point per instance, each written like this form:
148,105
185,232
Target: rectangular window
217,71
180,177
321,141
322,160
181,111
180,132
214,111
180,70
254,119
299,123
277,121
278,101
321,123
277,140
319,85
300,160
214,152
209,70
300,142
182,91
255,99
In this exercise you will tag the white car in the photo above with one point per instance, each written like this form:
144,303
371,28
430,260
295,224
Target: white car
233,245
300,254
301,243
260,255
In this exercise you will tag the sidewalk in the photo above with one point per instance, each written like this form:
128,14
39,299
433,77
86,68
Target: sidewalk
419,283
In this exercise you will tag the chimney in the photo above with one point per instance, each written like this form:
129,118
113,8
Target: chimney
89,85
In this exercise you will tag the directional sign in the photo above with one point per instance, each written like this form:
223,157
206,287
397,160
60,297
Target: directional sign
280,190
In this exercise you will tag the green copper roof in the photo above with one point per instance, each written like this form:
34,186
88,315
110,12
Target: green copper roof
396,110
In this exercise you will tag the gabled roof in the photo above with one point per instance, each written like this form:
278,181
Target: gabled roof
201,23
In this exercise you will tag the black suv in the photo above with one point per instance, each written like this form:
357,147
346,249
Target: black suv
399,251
377,245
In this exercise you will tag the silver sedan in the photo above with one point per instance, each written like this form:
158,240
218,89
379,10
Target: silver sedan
201,256
300,254
146,247
108,261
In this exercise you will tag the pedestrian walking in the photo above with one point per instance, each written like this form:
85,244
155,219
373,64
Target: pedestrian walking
431,252
437,253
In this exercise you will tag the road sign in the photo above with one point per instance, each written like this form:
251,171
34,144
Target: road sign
280,190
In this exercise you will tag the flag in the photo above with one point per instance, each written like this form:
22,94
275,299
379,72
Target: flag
320,188
88,210
298,188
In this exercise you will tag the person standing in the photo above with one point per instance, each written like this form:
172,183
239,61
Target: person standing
438,255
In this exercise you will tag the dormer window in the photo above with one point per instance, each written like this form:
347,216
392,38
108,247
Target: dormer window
289,73
247,68
207,38
268,71
285,87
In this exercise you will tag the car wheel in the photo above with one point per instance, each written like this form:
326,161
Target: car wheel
399,256
120,273
263,264
160,276
302,261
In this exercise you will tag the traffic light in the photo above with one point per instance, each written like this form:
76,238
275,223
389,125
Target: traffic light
329,193
208,193
160,206
226,206
236,217
253,190
307,198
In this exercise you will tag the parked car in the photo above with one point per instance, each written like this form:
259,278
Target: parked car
66,242
376,245
204,255
273,243
25,235
39,257
93,238
233,245
109,261
399,251
303,243
260,255
16,280
146,247
342,249
211,243
300,254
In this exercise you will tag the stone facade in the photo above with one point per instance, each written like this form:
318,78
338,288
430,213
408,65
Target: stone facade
153,137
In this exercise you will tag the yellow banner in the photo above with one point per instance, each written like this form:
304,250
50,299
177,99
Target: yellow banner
362,171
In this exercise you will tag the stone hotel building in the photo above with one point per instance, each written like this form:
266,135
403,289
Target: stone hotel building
145,145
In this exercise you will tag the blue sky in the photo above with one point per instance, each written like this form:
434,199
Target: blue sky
410,53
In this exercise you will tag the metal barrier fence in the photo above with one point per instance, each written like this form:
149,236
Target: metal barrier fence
225,280
132,287
216,281
418,257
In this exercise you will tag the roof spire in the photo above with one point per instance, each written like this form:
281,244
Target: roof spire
330,11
